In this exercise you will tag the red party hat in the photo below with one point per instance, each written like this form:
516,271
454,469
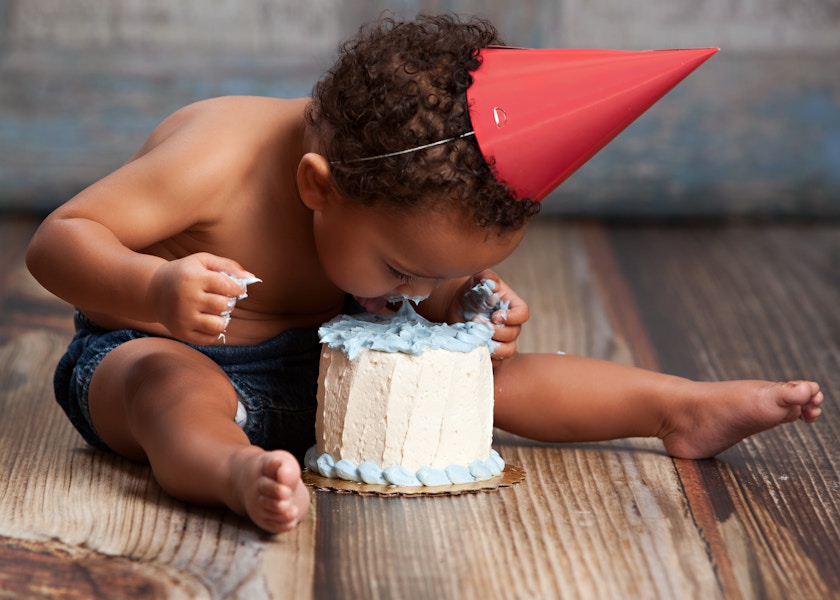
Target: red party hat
538,115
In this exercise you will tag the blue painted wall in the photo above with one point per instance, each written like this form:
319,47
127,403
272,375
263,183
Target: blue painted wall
754,132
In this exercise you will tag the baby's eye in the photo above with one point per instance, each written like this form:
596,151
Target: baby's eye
401,276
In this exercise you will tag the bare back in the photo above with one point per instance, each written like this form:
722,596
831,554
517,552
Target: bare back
217,177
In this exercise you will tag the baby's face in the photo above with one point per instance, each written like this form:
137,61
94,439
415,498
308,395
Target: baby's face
375,253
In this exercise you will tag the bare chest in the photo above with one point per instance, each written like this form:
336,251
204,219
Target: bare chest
277,246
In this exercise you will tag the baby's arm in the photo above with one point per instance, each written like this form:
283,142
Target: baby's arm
94,251
82,261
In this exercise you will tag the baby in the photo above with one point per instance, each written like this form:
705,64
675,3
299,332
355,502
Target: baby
371,189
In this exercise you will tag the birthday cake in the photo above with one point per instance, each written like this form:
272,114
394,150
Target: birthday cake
403,401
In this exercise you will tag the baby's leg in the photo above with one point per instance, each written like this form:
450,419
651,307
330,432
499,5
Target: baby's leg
562,398
158,400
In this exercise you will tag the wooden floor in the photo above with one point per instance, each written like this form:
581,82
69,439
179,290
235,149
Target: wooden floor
608,520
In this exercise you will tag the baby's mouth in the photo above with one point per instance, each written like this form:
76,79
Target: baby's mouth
372,305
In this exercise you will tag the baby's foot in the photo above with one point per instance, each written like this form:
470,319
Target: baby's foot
718,415
270,489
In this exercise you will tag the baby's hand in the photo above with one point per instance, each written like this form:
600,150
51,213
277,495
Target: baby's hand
507,322
194,296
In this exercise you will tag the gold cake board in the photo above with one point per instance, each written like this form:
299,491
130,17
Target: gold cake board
510,476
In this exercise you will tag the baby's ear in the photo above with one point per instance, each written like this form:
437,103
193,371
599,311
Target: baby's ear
314,181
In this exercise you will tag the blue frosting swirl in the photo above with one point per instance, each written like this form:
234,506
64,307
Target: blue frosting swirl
482,301
368,472
404,331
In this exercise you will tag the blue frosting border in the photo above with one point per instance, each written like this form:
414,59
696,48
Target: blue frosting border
371,473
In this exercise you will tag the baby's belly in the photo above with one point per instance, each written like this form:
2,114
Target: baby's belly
249,328
245,328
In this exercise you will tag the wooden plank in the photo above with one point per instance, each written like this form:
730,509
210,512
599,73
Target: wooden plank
753,302
49,570
613,519
624,315
579,510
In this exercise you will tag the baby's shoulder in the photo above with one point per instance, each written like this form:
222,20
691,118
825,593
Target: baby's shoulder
239,114
222,132
237,119
213,151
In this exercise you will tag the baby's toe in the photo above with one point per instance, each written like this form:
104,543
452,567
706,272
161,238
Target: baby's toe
288,474
289,511
811,413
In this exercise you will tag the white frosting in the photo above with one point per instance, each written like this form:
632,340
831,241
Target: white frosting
432,411
232,300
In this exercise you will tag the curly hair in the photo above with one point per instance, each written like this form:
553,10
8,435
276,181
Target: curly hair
398,85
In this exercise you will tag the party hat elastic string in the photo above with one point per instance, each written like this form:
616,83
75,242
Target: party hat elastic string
399,152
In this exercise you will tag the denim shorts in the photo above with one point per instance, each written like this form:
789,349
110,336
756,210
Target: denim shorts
276,381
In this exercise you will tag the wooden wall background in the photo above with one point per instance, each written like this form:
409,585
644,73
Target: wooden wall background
754,132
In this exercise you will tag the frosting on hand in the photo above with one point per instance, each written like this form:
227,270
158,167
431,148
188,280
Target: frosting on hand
482,301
